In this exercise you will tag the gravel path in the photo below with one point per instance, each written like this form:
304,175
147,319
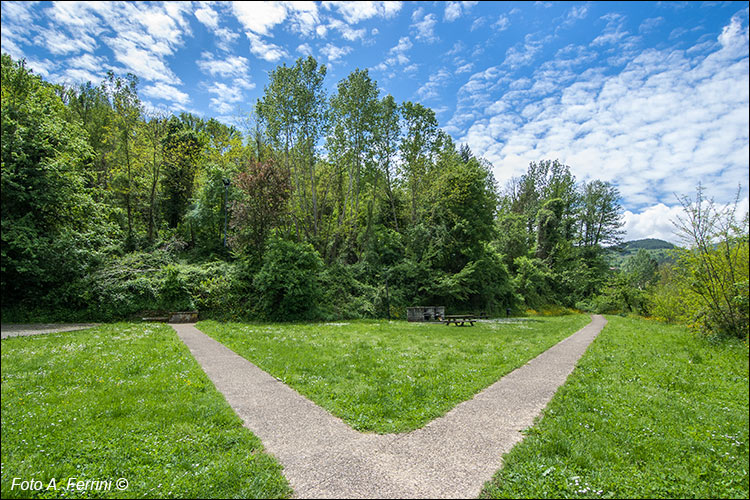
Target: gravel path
40,328
451,457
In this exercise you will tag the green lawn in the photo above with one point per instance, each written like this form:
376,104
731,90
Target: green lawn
391,376
651,411
123,401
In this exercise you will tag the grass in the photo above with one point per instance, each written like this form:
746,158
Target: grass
123,401
391,376
651,411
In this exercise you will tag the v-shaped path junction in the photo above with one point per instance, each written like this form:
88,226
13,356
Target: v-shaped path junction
451,457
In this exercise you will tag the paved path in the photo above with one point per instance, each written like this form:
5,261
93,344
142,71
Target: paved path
40,328
451,457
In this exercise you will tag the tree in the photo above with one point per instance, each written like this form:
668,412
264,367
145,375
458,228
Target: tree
53,223
354,108
386,141
153,131
294,111
288,283
182,150
265,191
417,144
641,269
600,215
716,263
126,105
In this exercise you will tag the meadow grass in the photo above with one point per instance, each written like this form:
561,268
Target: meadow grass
391,376
651,411
124,401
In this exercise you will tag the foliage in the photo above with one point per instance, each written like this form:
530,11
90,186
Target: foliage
288,284
265,190
391,376
53,225
650,411
397,213
716,264
124,400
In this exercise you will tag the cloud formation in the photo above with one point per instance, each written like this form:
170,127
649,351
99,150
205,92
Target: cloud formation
666,111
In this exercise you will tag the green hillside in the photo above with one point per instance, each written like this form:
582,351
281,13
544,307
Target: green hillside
659,250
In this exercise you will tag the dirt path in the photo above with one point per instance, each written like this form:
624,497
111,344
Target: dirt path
451,457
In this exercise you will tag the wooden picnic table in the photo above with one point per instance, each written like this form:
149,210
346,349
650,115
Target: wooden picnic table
460,318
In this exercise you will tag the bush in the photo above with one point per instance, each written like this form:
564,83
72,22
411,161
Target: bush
288,284
346,297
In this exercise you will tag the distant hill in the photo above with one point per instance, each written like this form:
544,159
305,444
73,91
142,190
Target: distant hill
660,251
649,244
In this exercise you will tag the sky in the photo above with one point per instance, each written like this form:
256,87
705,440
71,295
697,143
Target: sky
651,96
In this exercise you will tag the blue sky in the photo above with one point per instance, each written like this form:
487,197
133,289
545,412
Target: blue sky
652,96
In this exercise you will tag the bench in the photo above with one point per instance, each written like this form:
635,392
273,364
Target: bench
460,319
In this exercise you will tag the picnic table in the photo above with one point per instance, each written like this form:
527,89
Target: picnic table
460,318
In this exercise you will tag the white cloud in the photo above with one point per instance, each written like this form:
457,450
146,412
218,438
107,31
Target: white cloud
208,16
433,84
653,222
334,53
59,43
397,54
522,54
452,11
354,12
166,92
259,17
658,221
650,24
502,23
425,25
226,97
88,62
142,62
267,51
229,66
305,49
665,122
346,31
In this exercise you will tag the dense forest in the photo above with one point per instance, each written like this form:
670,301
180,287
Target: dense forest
328,206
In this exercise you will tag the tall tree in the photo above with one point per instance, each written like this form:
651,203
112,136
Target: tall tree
126,105
386,142
293,110
52,221
154,129
354,108
600,214
182,150
417,144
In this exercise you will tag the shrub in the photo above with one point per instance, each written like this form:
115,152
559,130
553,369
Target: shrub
288,285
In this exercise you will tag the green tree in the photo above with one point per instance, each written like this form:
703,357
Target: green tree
294,112
354,107
387,135
716,263
601,214
52,222
182,151
288,283
126,105
417,144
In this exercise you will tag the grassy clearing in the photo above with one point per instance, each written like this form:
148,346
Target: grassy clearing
651,411
124,401
391,376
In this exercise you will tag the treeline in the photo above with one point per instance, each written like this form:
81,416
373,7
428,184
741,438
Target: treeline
337,206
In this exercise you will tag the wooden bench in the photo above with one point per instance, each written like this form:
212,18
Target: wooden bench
460,319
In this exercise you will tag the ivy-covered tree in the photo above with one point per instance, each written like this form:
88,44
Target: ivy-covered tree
52,223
